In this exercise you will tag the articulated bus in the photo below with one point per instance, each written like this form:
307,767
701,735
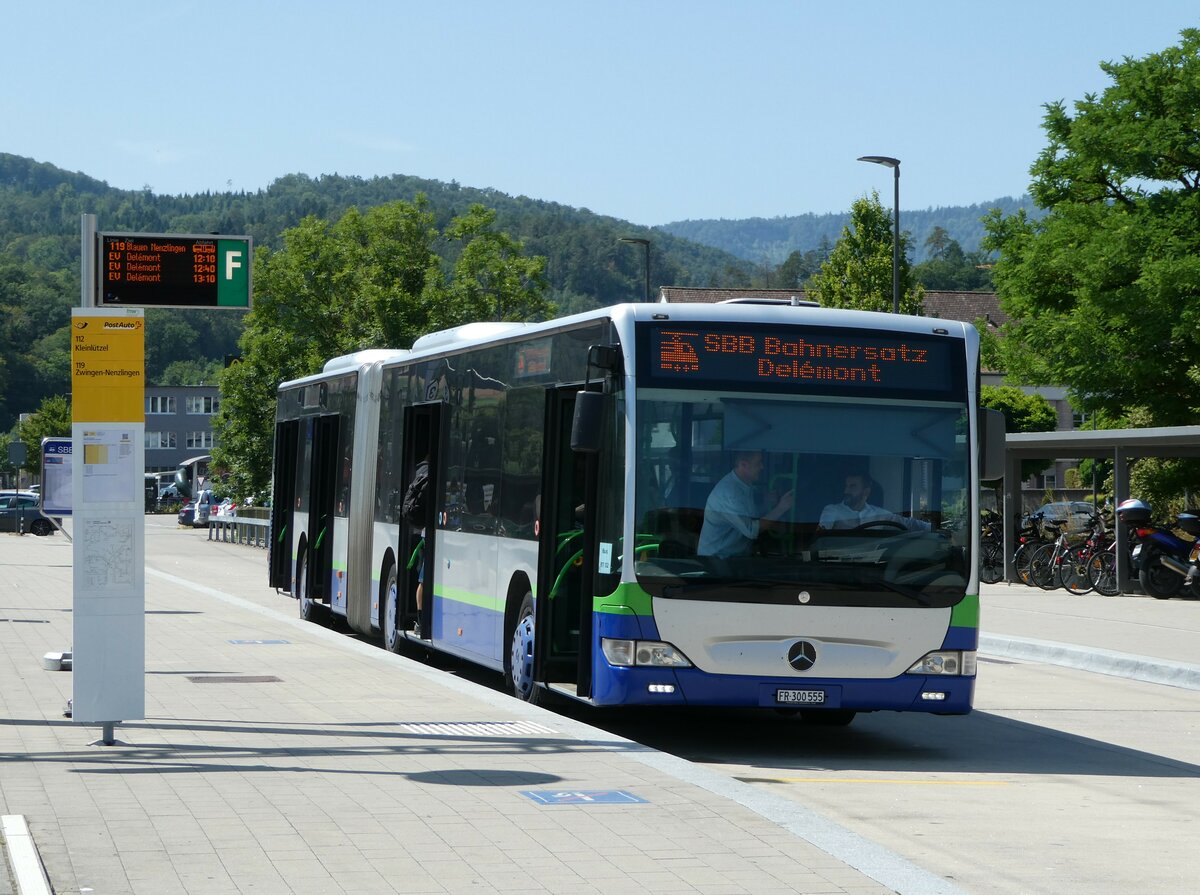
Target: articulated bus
571,542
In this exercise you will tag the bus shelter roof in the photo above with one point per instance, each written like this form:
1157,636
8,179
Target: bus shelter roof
1163,441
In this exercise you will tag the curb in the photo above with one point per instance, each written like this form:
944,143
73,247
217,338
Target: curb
23,858
1101,661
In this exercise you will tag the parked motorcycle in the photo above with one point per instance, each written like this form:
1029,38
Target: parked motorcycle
1163,561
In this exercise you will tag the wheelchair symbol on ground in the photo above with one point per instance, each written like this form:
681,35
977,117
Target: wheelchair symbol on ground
582,797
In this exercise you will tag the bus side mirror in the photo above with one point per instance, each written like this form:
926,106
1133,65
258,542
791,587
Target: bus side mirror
588,422
991,444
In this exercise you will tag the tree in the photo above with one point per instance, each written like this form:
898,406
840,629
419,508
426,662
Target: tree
949,267
52,419
1103,292
493,280
799,266
858,272
1022,413
370,280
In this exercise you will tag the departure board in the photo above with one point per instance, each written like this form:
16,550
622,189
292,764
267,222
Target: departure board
150,270
809,358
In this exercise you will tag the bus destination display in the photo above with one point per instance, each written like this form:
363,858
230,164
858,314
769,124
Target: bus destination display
149,270
807,357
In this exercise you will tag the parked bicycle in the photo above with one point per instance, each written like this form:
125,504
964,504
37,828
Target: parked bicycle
1051,565
1030,536
991,547
1102,571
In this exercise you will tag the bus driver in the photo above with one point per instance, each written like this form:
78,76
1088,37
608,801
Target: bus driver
854,511
732,519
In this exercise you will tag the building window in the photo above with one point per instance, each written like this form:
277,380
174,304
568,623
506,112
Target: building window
160,440
206,405
200,439
160,404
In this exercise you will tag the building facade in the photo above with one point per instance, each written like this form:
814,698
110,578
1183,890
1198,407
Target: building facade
179,424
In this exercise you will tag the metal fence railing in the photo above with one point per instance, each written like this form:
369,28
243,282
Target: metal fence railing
240,530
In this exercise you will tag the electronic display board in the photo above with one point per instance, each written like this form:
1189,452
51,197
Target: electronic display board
729,355
160,271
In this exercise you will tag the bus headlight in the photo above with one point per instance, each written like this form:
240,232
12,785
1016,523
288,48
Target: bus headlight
956,662
642,652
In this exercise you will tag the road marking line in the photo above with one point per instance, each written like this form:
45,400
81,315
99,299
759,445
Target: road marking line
870,780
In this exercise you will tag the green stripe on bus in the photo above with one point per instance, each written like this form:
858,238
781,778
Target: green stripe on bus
469,598
627,599
966,613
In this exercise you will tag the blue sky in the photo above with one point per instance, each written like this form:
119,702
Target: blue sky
651,111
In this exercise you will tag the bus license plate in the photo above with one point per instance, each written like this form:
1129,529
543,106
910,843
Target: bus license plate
806,697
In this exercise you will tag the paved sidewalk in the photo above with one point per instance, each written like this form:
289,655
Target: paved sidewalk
1129,636
281,757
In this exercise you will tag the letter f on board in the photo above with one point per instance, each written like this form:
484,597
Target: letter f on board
233,260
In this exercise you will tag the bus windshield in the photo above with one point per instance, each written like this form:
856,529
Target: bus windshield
818,498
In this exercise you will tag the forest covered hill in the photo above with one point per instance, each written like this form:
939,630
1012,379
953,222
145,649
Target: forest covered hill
586,264
771,240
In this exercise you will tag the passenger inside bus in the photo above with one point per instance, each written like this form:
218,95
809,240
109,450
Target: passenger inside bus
733,517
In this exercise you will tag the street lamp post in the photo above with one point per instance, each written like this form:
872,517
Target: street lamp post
645,244
894,164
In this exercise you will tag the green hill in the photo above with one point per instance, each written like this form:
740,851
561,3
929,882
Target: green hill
771,240
586,264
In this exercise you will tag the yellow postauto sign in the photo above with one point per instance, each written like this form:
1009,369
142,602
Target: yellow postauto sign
108,366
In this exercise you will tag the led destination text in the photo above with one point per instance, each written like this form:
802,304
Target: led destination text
156,262
742,356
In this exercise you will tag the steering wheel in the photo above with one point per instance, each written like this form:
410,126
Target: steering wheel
881,523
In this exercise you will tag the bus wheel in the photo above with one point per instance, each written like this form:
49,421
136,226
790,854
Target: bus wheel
391,613
520,674
310,611
827,717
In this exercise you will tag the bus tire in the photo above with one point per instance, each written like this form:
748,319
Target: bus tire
520,674
310,610
392,638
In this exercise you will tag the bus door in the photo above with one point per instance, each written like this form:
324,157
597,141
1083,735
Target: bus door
566,551
322,483
422,439
281,560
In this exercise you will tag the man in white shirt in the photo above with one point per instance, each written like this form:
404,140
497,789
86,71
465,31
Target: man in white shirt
854,510
732,520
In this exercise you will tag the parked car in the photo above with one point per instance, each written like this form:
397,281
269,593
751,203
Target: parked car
206,505
187,513
169,492
21,511
227,507
1078,513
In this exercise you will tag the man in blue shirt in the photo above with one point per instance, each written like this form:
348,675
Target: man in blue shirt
732,519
